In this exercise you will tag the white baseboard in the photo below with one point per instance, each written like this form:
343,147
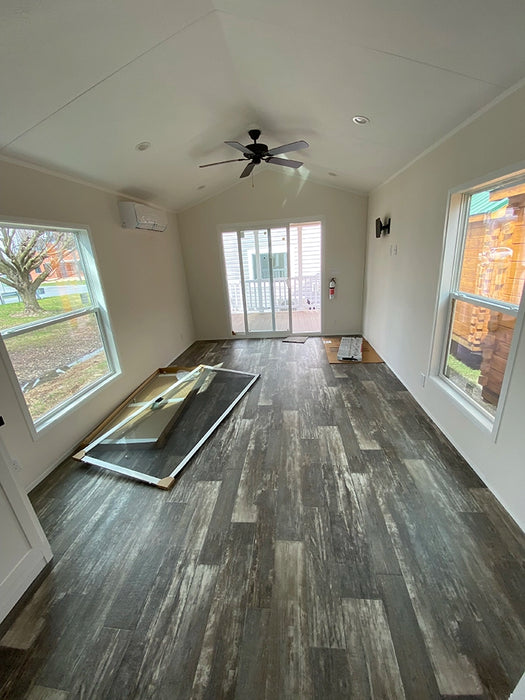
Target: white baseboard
56,463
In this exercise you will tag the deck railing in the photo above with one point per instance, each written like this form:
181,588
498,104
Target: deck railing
305,294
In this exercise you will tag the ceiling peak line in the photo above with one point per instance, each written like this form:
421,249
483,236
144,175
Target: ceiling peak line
108,76
247,18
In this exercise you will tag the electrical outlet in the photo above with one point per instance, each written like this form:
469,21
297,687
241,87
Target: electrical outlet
16,465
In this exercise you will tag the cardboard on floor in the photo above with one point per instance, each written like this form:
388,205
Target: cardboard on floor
331,346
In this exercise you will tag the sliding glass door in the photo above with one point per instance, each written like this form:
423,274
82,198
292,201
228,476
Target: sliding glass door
264,271
273,277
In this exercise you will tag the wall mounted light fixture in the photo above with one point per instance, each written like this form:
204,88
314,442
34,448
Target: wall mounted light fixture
382,228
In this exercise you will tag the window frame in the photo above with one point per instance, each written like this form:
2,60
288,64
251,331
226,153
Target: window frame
456,226
97,308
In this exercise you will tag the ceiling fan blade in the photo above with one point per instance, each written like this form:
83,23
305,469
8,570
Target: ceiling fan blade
247,170
286,162
220,162
239,147
295,146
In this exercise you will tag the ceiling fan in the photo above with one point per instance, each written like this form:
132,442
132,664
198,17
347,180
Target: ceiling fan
257,152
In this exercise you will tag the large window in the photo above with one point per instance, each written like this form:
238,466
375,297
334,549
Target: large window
53,321
486,292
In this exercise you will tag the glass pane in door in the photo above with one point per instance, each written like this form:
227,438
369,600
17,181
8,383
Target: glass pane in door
233,280
280,280
255,250
305,280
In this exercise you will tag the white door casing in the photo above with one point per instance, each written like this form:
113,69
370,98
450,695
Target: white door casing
24,549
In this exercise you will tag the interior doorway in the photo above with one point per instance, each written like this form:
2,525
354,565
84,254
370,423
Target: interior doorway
273,276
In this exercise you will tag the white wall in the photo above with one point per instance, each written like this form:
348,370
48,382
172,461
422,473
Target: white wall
144,283
275,197
400,291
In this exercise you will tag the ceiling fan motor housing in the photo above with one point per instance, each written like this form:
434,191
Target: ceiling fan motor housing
258,149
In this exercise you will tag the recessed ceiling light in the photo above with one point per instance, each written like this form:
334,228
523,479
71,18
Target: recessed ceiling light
143,146
360,120
201,187
333,174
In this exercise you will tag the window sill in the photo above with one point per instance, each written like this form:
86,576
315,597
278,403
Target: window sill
472,412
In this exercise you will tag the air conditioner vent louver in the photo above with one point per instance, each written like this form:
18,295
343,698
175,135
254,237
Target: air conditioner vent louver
140,216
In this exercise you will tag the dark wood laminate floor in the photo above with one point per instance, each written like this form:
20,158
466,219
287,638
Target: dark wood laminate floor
327,542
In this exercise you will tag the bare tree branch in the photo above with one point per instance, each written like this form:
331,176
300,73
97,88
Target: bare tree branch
23,253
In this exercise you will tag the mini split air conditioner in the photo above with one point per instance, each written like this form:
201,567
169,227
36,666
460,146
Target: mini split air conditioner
135,215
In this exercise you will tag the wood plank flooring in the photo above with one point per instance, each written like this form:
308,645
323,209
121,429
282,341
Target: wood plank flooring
327,542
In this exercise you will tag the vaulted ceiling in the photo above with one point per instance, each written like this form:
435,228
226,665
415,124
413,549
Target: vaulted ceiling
82,83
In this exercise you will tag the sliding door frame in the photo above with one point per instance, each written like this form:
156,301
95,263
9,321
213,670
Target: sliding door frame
268,225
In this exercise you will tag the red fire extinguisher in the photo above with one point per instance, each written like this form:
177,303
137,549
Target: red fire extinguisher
331,289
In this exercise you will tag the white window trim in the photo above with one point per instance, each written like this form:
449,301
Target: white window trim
99,309
453,243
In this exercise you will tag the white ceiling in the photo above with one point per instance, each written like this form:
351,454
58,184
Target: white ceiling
81,83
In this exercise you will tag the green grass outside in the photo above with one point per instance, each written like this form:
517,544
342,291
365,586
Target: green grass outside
46,396
471,375
12,314
58,283
36,339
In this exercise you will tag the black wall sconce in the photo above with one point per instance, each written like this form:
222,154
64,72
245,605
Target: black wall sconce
382,228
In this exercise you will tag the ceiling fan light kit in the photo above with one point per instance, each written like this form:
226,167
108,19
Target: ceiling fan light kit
256,153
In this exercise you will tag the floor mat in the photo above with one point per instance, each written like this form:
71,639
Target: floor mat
331,346
295,339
